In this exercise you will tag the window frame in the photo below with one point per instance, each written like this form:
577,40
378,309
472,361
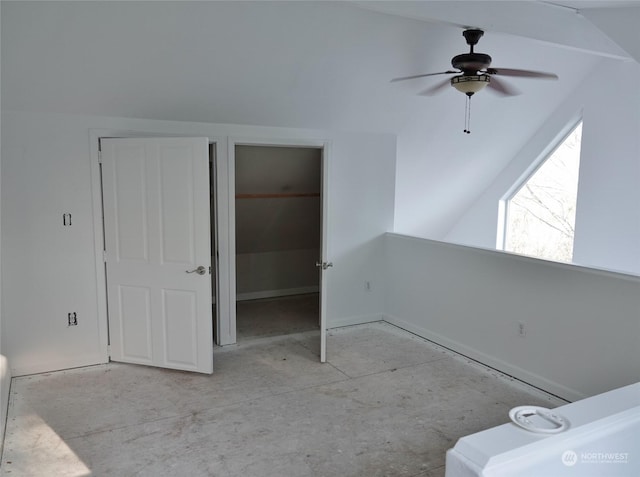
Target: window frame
541,158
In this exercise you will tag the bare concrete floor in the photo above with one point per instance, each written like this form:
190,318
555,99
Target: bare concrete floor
386,404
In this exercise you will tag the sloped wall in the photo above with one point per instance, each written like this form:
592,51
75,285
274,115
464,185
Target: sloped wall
607,231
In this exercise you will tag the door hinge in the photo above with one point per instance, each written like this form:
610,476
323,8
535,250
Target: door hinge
104,256
99,156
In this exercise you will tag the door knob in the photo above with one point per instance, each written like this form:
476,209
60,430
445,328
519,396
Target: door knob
200,270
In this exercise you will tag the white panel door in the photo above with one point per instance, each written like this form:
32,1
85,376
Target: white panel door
157,234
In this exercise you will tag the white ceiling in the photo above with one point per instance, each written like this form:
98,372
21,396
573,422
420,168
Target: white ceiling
305,64
324,65
590,4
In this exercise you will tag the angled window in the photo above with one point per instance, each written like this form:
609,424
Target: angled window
540,214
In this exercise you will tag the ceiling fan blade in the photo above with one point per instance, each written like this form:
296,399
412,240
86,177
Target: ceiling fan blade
502,88
394,80
435,88
521,73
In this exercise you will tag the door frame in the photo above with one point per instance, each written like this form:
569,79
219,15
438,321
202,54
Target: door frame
230,206
95,135
225,323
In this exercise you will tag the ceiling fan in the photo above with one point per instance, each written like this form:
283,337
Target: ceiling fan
474,72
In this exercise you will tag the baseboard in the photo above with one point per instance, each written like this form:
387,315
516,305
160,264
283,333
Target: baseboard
354,320
276,293
533,379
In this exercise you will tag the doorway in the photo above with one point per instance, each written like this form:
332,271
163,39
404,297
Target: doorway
278,235
222,255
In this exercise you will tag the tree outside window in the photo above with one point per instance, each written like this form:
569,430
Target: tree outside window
540,216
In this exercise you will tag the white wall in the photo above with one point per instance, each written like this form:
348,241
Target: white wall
608,210
5,372
278,273
608,217
582,326
49,270
361,206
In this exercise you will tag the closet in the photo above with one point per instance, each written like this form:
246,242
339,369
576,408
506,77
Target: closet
278,233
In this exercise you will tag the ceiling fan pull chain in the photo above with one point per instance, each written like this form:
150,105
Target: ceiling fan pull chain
467,115
466,109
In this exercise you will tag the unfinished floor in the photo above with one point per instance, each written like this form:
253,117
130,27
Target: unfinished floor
277,316
386,404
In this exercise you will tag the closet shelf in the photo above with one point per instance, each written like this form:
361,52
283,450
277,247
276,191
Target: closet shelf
280,195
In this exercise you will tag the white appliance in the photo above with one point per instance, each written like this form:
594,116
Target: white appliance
595,437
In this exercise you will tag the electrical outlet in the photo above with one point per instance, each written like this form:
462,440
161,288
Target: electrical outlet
522,330
72,319
367,286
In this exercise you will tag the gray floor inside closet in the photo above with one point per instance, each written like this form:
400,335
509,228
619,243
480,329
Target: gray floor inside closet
277,316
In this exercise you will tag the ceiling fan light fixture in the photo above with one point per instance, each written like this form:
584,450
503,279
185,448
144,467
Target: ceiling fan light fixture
470,84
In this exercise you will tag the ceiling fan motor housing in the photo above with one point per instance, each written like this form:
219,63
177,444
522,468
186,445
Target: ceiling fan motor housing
471,63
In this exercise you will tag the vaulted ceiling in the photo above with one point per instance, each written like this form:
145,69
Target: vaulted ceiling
324,65
303,64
